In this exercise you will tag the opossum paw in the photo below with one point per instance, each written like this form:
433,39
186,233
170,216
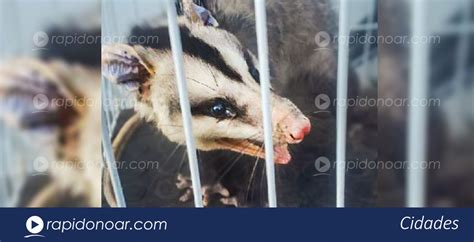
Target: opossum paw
184,183
188,195
230,201
208,191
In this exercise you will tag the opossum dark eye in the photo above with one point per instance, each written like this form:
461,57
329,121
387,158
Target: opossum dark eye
221,109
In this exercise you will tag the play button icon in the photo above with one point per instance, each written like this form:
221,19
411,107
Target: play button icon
322,164
34,224
41,164
40,39
322,39
322,101
40,101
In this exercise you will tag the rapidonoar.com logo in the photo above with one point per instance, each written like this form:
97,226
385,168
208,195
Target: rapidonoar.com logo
34,225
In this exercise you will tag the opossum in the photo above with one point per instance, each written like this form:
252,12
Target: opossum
223,84
300,71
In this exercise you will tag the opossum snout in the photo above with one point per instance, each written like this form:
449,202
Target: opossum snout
300,130
297,129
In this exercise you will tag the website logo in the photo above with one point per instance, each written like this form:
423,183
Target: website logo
322,165
34,225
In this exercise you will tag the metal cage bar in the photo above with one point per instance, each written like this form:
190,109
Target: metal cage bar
417,115
262,40
110,159
341,109
177,50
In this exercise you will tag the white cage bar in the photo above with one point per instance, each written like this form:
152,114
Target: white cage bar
184,100
341,109
417,115
261,27
109,158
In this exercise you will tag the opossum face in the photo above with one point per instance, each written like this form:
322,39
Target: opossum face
223,88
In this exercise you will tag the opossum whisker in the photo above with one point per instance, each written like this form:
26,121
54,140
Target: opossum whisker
312,114
183,157
234,161
263,195
213,75
252,175
202,84
309,113
172,153
198,82
314,111
230,166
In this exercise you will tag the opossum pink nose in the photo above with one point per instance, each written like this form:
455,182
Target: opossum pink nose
299,130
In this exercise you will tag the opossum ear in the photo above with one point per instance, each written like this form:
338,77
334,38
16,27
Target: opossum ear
124,65
198,14
32,96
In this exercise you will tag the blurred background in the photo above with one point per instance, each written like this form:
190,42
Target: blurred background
448,38
34,133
